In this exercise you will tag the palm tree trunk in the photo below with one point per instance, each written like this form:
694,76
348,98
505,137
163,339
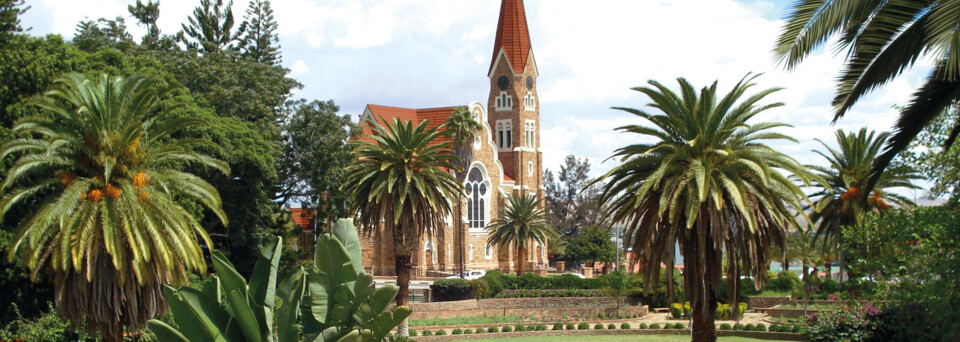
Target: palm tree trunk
402,255
520,258
460,235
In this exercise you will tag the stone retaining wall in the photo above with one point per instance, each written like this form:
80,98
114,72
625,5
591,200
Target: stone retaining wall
766,302
748,334
549,307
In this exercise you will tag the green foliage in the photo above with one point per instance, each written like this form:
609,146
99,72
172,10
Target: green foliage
583,326
849,324
520,223
784,281
705,180
93,36
493,329
413,333
571,204
457,331
441,332
625,326
480,330
593,243
519,328
452,289
738,326
598,326
644,326
210,28
558,326
611,326
760,327
655,326
506,328
427,333
10,11
750,327
22,298
48,327
260,42
725,326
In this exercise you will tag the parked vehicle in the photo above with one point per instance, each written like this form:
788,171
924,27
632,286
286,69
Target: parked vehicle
470,275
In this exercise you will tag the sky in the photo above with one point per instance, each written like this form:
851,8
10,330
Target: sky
432,53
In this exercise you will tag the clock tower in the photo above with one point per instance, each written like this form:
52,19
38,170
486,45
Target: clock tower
514,107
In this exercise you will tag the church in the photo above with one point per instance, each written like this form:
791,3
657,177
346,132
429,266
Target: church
507,160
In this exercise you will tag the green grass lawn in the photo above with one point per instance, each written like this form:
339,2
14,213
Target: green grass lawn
618,338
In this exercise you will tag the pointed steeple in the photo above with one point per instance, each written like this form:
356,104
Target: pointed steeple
512,36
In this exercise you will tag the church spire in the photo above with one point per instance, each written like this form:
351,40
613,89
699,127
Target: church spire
513,37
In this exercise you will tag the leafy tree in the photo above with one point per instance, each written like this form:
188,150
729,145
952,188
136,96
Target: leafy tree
104,169
706,183
520,223
261,42
801,246
594,243
210,28
315,156
884,39
461,128
571,203
839,187
95,35
399,181
932,159
10,11
147,14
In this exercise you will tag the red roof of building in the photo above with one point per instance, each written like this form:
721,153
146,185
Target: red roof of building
302,218
512,35
436,116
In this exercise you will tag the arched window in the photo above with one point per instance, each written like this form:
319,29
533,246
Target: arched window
429,256
476,198
529,102
504,134
488,253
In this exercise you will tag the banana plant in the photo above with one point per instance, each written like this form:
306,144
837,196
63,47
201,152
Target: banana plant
229,309
342,303
335,301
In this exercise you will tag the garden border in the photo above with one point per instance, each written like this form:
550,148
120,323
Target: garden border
749,334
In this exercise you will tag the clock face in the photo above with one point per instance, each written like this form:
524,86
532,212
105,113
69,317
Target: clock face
503,82
529,82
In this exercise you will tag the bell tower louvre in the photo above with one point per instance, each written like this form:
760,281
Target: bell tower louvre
514,107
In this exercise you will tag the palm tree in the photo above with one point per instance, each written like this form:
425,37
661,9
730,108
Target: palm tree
840,186
399,179
801,246
883,39
521,222
461,129
707,183
101,163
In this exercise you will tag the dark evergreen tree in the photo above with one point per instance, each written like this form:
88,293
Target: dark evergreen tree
210,28
10,11
570,203
94,35
147,14
261,41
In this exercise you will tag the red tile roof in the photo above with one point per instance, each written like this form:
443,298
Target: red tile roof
302,218
382,114
512,35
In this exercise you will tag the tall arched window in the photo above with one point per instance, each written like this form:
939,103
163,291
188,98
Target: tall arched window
476,196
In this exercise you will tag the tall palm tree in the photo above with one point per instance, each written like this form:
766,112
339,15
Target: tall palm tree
102,164
520,223
461,129
839,186
707,183
399,179
882,39
801,247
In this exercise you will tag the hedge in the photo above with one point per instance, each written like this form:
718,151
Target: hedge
452,289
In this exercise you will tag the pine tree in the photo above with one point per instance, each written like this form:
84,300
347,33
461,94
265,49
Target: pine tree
10,11
261,41
210,28
147,14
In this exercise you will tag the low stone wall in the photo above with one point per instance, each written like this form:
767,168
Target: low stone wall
548,307
748,334
755,302
789,313
507,293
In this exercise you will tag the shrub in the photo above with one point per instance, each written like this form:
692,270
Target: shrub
507,328
750,327
467,331
458,331
493,329
679,326
784,281
655,326
625,326
413,333
774,328
725,326
797,329
427,333
598,326
676,310
540,327
452,289
558,326
441,332
760,327
519,328
479,330
738,326
583,326
854,324
611,326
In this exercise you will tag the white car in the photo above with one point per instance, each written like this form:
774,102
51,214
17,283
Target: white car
470,275
578,275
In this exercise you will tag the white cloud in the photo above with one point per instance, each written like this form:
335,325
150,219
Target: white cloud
299,68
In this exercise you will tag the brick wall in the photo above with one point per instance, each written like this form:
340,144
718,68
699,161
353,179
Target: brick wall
549,307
